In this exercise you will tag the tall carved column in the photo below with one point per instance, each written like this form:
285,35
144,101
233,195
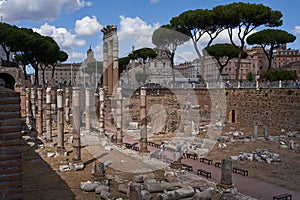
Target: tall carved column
67,106
33,131
119,116
60,123
143,118
110,58
33,103
110,67
48,115
23,101
115,47
28,107
105,61
87,109
76,125
101,111
40,112
53,105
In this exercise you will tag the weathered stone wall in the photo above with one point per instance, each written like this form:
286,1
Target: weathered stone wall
278,108
274,107
10,145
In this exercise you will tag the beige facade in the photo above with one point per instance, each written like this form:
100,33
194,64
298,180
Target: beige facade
285,56
65,73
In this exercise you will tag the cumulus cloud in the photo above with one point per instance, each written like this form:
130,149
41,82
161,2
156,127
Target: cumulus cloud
296,30
64,38
37,10
137,30
87,26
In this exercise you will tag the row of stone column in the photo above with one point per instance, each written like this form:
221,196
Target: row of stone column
57,106
58,112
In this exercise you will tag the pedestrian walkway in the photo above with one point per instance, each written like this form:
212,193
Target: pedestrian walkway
247,185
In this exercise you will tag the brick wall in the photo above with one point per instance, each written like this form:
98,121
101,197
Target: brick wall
277,108
10,145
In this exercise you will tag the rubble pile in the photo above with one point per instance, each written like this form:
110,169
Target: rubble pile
258,155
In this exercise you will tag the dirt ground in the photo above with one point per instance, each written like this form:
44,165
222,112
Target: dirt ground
43,179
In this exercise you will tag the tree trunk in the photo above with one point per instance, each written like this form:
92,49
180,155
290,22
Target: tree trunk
237,70
43,75
24,72
36,73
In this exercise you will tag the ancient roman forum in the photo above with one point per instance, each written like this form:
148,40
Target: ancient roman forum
175,143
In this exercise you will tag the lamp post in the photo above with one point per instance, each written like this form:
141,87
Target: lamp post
96,75
71,79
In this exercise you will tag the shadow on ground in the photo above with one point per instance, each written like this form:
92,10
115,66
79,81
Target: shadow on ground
40,180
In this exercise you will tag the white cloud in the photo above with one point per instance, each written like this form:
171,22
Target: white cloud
75,55
136,31
296,30
87,26
37,10
65,39
154,1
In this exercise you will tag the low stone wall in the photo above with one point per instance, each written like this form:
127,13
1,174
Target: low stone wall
10,145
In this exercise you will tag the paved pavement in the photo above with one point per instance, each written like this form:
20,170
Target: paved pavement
246,185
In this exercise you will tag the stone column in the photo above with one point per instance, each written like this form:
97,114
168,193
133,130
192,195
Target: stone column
119,116
105,60
33,131
110,58
255,132
99,172
87,109
23,102
76,125
48,115
101,112
67,106
33,103
28,107
40,112
226,174
110,67
53,104
143,118
115,45
60,124
266,133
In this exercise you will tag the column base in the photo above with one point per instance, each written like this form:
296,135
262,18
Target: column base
144,150
77,164
225,186
61,151
119,142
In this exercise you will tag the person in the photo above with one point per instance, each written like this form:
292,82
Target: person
185,151
162,148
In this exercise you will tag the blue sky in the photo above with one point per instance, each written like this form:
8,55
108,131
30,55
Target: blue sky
76,24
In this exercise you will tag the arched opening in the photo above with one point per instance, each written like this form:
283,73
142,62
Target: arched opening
7,80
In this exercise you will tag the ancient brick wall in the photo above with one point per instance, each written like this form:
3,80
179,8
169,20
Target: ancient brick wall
274,107
10,145
279,108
